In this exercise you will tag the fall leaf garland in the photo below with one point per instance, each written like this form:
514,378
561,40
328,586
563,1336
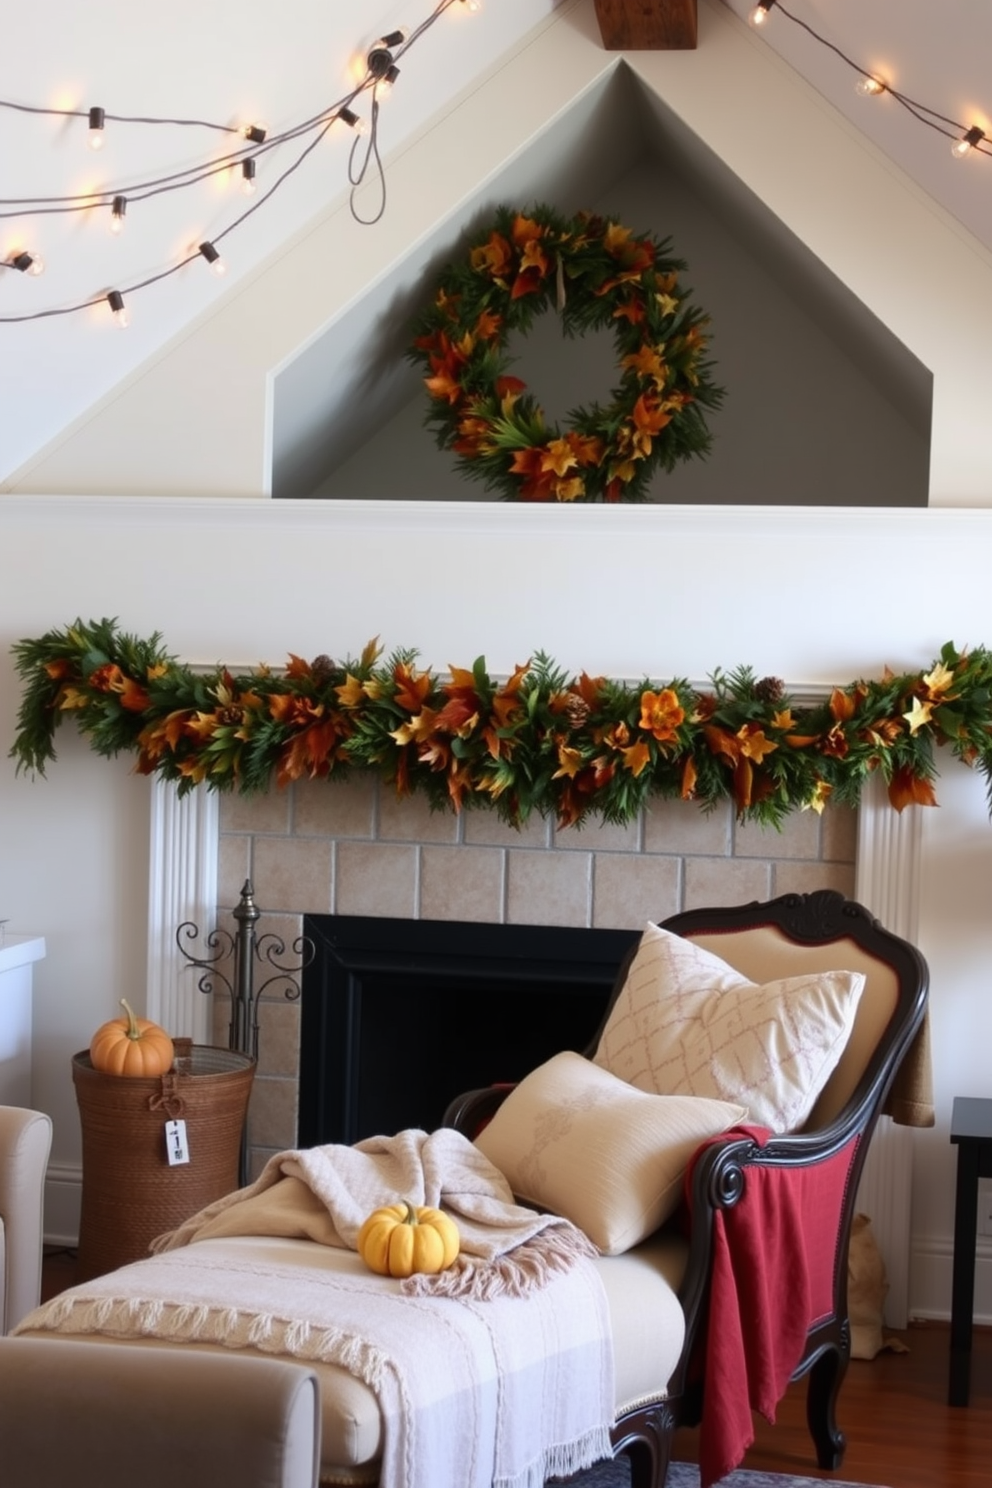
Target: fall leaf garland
537,741
596,274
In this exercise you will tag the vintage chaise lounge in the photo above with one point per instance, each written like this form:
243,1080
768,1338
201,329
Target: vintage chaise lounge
753,1242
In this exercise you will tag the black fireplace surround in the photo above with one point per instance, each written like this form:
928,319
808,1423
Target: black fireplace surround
400,1016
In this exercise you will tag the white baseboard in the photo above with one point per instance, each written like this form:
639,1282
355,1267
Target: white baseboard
63,1199
930,1279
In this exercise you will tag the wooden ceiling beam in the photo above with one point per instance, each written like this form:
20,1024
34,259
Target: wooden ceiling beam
647,25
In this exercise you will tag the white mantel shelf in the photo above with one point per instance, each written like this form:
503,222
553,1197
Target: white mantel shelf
17,956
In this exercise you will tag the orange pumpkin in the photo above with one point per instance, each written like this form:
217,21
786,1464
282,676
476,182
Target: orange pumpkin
400,1239
131,1046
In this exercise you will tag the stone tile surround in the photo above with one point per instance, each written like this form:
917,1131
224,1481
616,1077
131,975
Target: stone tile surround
351,847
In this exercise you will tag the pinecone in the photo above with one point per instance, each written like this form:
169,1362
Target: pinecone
322,669
576,709
770,690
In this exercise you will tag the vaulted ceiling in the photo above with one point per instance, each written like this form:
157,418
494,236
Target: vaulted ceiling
237,63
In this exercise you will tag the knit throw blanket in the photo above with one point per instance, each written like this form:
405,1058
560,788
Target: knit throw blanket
497,1374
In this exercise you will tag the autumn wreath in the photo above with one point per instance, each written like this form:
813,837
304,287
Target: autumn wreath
597,274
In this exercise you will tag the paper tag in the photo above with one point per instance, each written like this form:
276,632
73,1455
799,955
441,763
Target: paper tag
176,1149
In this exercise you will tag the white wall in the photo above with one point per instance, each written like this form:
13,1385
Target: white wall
811,596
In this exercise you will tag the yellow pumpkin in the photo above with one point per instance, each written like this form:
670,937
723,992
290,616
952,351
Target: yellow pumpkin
131,1046
401,1239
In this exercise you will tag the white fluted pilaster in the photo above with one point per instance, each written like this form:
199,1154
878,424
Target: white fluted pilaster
182,886
888,884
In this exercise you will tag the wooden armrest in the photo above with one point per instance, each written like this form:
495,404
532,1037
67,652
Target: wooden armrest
470,1112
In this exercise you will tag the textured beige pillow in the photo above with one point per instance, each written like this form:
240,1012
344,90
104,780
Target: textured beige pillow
577,1141
686,1023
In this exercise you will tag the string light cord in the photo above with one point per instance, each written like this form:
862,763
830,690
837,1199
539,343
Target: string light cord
920,111
53,113
56,113
357,178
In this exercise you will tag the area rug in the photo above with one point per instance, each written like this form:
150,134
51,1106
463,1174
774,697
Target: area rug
685,1475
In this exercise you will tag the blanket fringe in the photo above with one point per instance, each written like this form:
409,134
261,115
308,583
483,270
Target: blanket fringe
562,1460
531,1265
141,1317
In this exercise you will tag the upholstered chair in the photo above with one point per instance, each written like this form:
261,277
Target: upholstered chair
25,1142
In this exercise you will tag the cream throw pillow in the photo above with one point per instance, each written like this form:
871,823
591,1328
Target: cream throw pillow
686,1023
575,1140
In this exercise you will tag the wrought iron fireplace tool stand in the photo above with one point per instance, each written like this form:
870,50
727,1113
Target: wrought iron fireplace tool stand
244,949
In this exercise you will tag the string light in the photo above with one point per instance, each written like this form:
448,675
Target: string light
382,64
965,139
26,263
213,259
969,141
118,309
349,117
97,120
255,136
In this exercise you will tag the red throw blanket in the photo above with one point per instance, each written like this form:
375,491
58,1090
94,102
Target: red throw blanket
772,1279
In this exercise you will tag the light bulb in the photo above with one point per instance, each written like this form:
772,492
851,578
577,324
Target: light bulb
254,132
349,117
213,259
97,119
868,86
118,308
967,142
759,14
28,263
118,208
474,6
248,177
384,84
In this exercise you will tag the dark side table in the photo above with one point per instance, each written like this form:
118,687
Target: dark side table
971,1131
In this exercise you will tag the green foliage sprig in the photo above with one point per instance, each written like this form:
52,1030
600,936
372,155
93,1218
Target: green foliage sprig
539,741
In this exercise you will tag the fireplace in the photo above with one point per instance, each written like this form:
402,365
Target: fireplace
352,849
399,1016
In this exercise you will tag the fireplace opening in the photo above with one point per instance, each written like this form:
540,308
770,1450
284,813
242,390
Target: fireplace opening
400,1016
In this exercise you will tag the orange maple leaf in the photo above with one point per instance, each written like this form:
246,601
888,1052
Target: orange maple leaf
412,688
637,757
754,744
909,789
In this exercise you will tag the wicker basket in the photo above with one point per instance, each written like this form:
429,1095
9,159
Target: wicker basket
130,1192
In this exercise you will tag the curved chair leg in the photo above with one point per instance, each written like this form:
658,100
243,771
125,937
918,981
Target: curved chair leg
825,1379
645,1435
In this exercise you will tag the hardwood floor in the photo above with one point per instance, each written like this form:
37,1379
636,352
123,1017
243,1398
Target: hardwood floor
901,1433
893,1410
